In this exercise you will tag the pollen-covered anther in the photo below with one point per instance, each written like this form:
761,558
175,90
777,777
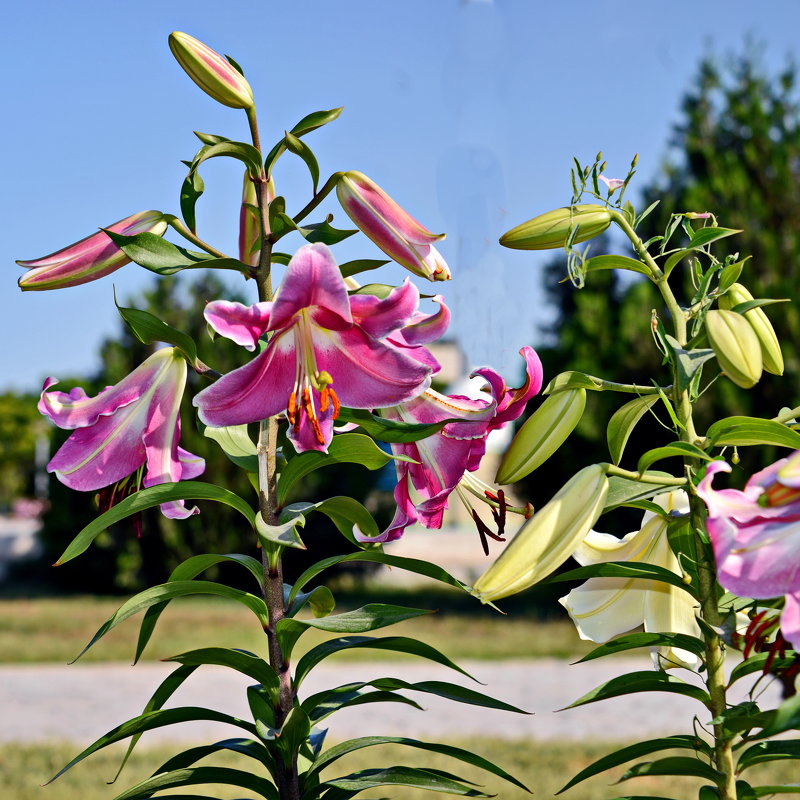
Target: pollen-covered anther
779,495
291,409
308,407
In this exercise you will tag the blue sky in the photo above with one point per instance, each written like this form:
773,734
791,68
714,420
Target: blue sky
467,112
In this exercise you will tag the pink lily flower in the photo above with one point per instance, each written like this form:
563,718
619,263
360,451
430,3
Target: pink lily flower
756,536
395,231
132,424
321,338
612,183
89,259
445,459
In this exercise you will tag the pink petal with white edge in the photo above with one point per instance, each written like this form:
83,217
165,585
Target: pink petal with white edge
239,323
312,281
790,620
380,317
256,391
422,328
303,435
741,506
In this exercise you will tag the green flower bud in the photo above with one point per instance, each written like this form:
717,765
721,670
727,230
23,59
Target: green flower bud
770,346
736,346
542,434
552,229
548,538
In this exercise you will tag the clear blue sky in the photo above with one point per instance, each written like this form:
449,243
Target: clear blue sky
467,112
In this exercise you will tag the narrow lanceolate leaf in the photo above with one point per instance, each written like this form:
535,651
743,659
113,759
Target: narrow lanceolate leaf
433,781
350,268
763,752
246,747
625,491
336,752
152,720
325,233
370,617
624,569
615,262
345,513
707,235
626,754
148,328
415,565
169,591
769,791
642,682
388,430
348,448
239,660
316,119
674,765
756,663
148,498
785,718
192,776
397,644
742,431
191,190
675,449
336,701
632,641
624,420
300,148
242,151
573,380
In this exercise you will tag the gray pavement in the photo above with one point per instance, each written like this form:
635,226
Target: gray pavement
81,702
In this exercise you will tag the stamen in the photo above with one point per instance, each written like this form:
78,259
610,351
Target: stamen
335,400
308,405
291,411
779,495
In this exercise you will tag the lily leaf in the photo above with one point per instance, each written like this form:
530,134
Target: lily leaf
623,569
648,681
624,420
389,430
148,328
631,641
615,262
743,431
675,449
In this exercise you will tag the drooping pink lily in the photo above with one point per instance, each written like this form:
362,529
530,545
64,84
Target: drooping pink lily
132,424
756,536
89,259
446,458
395,231
321,338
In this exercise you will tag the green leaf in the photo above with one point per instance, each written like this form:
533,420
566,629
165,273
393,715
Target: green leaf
337,751
362,620
648,681
679,449
389,430
573,380
689,363
165,258
324,232
744,431
242,151
626,491
148,328
292,734
767,791
415,565
624,420
236,443
350,268
730,274
615,262
674,765
398,644
347,448
320,600
152,720
631,641
337,700
147,498
623,569
247,747
301,149
345,513
674,260
285,534
191,776
239,660
431,780
749,305
209,138
316,119
756,663
764,752
191,190
785,718
707,235
625,754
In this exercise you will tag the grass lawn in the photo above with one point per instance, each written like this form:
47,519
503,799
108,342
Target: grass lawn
56,629
544,767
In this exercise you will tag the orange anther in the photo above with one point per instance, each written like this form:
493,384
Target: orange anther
291,411
323,399
336,404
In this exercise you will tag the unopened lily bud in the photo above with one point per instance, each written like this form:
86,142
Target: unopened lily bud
770,346
250,221
395,231
89,259
542,434
216,76
552,229
548,538
736,346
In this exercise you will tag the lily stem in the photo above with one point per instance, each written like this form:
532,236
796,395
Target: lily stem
180,228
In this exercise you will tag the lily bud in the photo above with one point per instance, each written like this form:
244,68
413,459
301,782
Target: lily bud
770,346
89,259
548,538
250,221
542,434
736,346
216,76
395,231
552,229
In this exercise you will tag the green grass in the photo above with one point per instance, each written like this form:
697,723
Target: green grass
56,629
544,767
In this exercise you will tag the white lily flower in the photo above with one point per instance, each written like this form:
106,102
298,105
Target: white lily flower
602,608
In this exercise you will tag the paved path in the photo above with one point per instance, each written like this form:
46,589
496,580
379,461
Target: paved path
80,702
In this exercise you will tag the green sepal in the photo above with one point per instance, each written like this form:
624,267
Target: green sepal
147,498
744,431
644,681
624,420
389,430
148,328
632,641
623,569
625,754
672,450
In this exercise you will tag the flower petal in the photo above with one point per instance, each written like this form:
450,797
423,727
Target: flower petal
423,328
602,608
380,317
239,323
790,620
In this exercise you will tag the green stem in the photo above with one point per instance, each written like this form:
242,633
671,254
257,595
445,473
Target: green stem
272,575
178,226
788,415
643,477
321,194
